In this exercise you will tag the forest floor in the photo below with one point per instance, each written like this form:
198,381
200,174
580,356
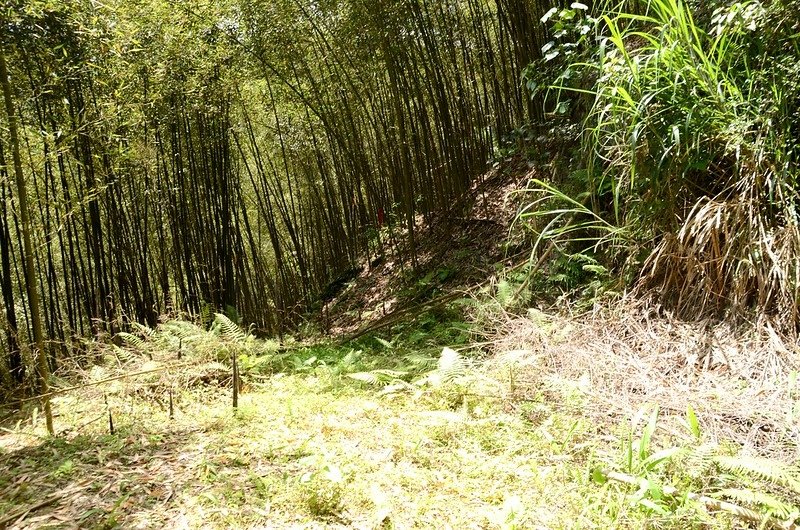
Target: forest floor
382,425
310,450
341,438
456,251
492,447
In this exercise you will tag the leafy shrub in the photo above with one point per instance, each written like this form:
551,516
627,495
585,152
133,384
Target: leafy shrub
690,151
762,490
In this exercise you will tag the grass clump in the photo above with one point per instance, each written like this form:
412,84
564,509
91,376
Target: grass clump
690,145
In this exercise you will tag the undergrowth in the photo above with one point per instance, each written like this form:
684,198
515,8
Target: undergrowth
319,443
686,180
393,431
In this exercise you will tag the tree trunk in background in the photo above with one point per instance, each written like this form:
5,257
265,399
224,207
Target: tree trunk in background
200,169
15,366
30,272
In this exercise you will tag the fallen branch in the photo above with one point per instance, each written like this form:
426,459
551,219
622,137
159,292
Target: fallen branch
23,512
397,316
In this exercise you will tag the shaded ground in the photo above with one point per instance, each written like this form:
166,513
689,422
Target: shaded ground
455,250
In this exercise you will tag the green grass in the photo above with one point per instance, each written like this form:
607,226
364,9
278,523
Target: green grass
687,178
456,446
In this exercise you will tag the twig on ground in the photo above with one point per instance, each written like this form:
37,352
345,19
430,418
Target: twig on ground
95,383
25,510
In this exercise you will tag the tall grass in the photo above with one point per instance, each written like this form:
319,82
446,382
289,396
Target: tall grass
691,145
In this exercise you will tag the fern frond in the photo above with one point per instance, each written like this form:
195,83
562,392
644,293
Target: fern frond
762,468
144,330
385,343
182,329
776,506
131,340
125,355
270,346
206,314
398,386
228,329
365,377
418,362
699,461
451,366
450,360
505,293
378,377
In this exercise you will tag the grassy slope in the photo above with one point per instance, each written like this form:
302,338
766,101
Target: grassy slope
318,450
511,443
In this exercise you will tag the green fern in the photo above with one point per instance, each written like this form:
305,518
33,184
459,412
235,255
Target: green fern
206,314
129,339
451,362
125,355
385,343
505,293
763,469
378,377
398,386
765,501
419,362
182,329
766,486
228,329
700,460
146,331
451,366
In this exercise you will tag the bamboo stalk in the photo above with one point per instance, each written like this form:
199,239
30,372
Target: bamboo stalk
30,272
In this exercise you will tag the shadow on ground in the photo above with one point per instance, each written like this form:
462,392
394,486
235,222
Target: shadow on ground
98,482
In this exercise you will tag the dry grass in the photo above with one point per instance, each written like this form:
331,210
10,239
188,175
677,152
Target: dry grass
741,382
729,256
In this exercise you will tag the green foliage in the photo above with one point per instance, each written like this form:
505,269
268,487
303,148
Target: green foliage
452,369
670,479
322,357
689,167
322,487
428,331
211,348
570,219
229,330
379,377
764,470
505,293
572,30
585,243
131,340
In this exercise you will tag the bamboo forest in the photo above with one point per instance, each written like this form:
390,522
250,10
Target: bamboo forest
399,264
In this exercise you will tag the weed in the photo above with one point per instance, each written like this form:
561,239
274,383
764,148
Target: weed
693,478
690,142
322,490
375,434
